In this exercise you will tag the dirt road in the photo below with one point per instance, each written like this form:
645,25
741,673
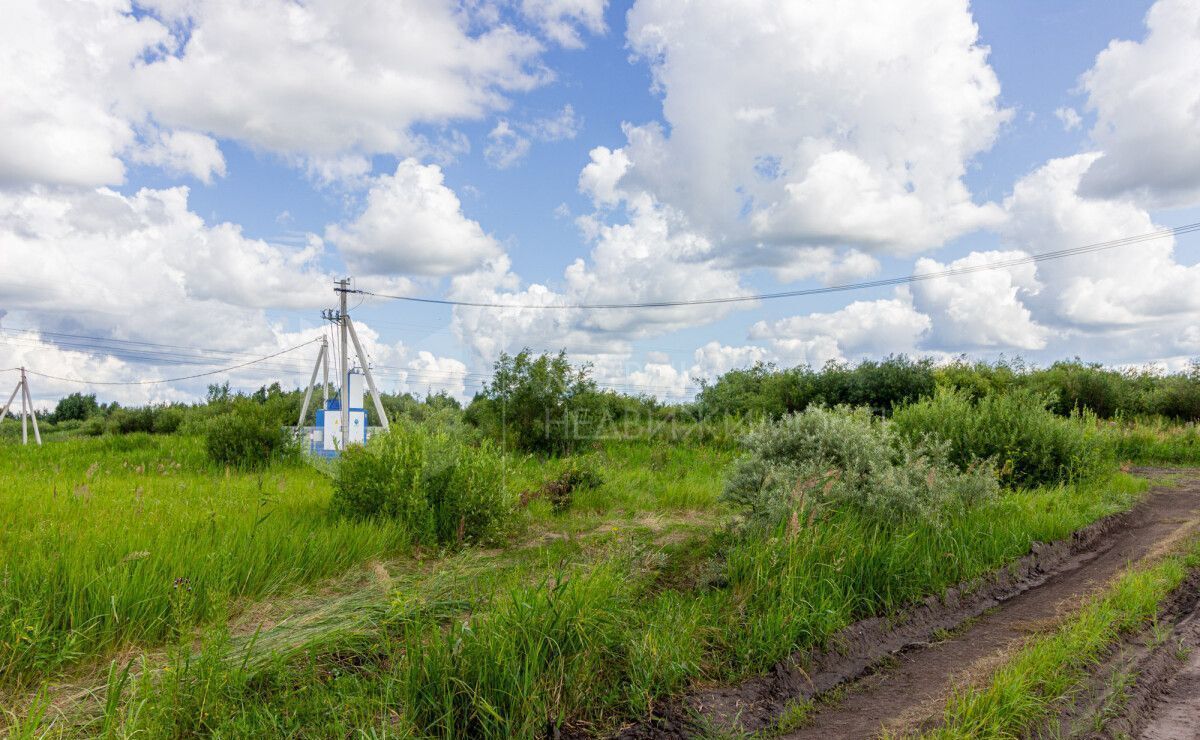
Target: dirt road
1176,716
916,687
897,677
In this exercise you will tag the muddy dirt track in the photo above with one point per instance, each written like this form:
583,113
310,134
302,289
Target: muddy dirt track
1149,688
1176,714
898,677
915,688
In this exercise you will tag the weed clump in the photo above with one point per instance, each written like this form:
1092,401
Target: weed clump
444,492
580,474
843,458
1027,443
248,437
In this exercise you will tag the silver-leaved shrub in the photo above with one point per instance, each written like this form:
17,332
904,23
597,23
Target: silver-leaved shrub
807,464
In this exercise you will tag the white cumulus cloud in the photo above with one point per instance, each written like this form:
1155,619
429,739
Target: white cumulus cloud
62,64
982,309
561,20
1146,96
412,225
314,79
144,266
861,329
1127,286
810,123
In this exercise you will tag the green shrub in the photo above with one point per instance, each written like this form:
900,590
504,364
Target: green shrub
93,427
764,390
1016,432
75,407
758,391
131,421
976,379
1178,396
844,458
443,490
248,437
581,473
1075,386
880,386
536,404
167,420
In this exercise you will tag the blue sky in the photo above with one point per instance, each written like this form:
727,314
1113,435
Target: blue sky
724,148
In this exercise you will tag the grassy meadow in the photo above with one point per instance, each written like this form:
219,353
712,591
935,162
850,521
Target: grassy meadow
159,585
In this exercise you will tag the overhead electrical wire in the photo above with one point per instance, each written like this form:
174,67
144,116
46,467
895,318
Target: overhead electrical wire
170,380
101,346
142,356
416,376
168,354
900,280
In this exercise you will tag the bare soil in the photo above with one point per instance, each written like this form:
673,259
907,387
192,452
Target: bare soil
1149,688
898,675
1176,715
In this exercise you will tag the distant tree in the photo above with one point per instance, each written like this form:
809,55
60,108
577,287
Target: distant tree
442,400
267,392
76,407
535,403
760,390
218,393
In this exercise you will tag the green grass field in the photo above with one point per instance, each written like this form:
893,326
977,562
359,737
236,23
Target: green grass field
148,593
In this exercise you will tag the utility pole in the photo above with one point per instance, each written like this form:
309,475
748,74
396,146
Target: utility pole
24,411
324,371
313,381
343,287
362,360
27,413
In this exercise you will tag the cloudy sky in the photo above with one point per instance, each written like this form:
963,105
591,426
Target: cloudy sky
182,180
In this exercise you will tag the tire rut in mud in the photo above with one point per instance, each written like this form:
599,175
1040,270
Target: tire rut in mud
1149,687
1005,607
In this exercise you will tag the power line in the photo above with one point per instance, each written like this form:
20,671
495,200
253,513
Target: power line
412,376
919,277
110,344
143,357
169,380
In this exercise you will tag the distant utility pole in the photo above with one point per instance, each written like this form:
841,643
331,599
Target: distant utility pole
350,335
322,364
343,396
27,414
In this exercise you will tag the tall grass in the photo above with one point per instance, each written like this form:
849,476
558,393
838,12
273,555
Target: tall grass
119,540
116,540
444,491
595,643
1153,440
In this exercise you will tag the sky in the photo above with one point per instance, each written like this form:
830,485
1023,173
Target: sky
181,181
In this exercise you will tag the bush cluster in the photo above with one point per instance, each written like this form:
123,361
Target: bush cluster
1028,444
75,407
1075,386
764,390
536,404
445,491
845,458
249,436
1070,387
